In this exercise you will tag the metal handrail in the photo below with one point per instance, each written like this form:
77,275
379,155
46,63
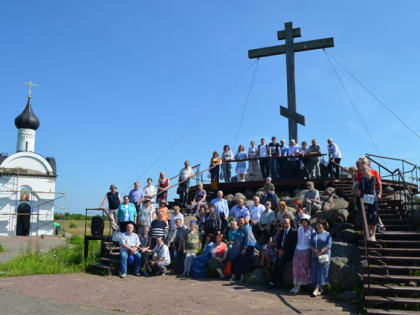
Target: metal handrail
390,158
366,235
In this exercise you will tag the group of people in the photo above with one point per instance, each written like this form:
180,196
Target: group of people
220,238
275,160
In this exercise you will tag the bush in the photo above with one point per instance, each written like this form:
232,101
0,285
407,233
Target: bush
65,259
1,249
73,225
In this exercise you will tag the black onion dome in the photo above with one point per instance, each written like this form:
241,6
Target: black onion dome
27,119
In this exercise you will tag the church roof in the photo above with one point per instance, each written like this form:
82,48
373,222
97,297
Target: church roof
27,119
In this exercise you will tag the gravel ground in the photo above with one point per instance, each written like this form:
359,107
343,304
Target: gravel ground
162,295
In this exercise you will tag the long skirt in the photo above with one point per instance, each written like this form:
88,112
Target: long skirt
302,271
320,272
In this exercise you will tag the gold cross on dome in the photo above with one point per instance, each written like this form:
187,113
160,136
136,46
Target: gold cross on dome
31,84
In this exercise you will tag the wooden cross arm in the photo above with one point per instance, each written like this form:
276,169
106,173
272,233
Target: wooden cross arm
295,32
285,112
281,49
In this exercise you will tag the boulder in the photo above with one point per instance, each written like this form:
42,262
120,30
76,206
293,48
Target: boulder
340,227
239,196
249,194
347,296
258,276
387,190
397,196
260,194
348,235
67,235
335,216
299,195
249,203
345,267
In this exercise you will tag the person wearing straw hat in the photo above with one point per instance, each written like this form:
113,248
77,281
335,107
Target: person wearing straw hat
302,268
114,200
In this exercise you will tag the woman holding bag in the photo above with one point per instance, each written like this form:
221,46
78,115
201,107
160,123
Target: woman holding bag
321,242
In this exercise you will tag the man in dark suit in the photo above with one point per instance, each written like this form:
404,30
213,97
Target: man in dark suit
286,244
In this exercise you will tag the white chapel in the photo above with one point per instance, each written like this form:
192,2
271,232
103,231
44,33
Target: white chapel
27,183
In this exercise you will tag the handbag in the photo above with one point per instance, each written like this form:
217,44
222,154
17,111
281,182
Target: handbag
368,199
322,259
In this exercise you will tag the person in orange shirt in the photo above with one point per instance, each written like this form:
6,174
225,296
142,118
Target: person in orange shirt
164,209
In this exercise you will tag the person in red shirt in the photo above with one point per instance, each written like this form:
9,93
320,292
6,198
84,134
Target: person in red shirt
365,162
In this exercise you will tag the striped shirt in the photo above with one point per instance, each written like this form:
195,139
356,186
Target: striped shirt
159,229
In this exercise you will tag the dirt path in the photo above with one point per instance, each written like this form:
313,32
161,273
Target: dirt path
167,295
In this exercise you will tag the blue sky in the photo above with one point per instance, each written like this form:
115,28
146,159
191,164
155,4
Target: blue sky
120,81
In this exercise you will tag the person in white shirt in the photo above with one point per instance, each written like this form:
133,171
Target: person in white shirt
222,209
129,246
150,191
184,182
301,266
263,153
255,214
172,224
293,162
161,257
334,157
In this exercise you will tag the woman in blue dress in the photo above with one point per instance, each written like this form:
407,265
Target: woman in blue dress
242,253
321,242
241,166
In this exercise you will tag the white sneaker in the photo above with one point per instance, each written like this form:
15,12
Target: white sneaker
123,275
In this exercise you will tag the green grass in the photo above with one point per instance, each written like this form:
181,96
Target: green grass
64,259
1,249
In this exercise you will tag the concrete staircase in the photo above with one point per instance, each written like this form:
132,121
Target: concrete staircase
392,279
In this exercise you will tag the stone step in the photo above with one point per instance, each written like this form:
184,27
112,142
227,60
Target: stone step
392,278
374,311
391,289
393,220
393,243
102,267
400,235
111,261
371,300
397,252
404,259
400,227
393,268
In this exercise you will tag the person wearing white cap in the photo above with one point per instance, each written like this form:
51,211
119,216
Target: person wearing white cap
302,273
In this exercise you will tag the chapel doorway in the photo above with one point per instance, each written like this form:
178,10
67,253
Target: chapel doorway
23,219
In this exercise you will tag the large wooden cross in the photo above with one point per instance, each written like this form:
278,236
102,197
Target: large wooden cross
289,49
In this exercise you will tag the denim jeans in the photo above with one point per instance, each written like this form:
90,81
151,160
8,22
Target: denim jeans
184,192
274,168
273,196
123,262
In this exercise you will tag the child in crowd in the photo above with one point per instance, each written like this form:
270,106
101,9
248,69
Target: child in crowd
268,253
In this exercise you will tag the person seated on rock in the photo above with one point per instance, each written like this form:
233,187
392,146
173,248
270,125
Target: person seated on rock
255,214
218,256
199,199
159,228
233,228
191,245
269,191
129,246
265,224
285,248
302,256
280,215
311,199
242,250
161,258
145,237
321,243
239,210
269,254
